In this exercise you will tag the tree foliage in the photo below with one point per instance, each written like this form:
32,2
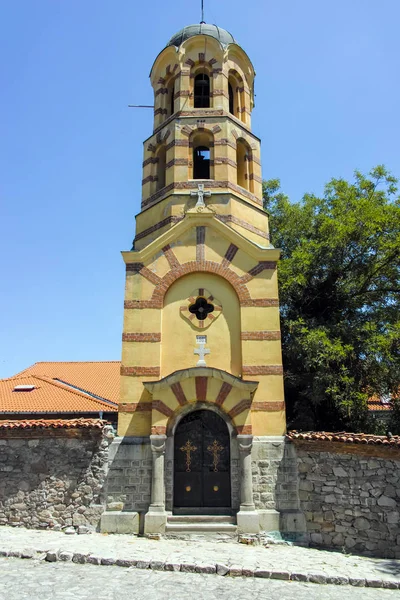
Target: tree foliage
339,281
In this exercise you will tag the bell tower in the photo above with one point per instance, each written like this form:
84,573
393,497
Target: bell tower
201,375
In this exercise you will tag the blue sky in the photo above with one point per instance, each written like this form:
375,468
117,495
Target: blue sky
327,103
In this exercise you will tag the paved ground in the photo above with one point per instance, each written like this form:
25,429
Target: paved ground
200,555
38,580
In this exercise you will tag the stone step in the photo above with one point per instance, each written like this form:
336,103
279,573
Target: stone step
201,519
204,527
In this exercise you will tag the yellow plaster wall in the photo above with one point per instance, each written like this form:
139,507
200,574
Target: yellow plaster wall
132,389
264,285
270,388
265,352
260,318
268,423
146,320
215,246
137,287
185,248
179,336
140,354
136,424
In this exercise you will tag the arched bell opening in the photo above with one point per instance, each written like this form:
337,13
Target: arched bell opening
201,97
236,95
202,163
244,165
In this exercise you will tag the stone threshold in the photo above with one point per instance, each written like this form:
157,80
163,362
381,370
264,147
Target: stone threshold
221,569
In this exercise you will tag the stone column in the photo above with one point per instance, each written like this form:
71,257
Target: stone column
156,517
247,517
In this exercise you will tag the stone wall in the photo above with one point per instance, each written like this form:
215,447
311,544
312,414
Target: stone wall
53,478
275,484
129,478
350,497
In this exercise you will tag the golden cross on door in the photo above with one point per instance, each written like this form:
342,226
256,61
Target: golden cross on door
215,449
188,448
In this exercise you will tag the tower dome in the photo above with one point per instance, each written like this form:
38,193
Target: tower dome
223,36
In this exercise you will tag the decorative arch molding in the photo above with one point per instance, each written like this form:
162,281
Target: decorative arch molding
163,283
243,135
165,416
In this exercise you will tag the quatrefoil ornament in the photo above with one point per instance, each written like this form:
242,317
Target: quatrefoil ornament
201,308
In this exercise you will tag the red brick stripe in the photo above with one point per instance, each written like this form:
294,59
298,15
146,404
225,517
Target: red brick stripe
162,408
244,224
144,272
244,429
200,239
229,255
171,258
141,304
240,407
268,406
140,371
262,266
263,370
223,393
157,226
260,302
261,335
158,430
141,337
134,407
179,393
201,388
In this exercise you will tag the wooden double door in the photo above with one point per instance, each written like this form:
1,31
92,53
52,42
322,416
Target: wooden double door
202,464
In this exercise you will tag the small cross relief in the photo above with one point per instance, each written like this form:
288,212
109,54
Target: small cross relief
200,193
201,351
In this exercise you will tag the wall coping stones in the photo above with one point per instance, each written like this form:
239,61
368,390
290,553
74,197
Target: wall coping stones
344,437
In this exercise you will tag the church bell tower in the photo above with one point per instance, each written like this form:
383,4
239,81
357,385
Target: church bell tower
201,375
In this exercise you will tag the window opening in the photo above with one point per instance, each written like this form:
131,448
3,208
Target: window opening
201,308
201,91
201,162
231,99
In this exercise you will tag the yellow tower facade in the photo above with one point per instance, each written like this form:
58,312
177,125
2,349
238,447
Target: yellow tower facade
201,375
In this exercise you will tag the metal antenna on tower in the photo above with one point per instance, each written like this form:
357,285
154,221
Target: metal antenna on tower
202,12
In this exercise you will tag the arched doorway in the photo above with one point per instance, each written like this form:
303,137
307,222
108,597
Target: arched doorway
202,465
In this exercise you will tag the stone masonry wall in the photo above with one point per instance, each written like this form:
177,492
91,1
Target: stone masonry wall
274,471
350,496
49,481
129,477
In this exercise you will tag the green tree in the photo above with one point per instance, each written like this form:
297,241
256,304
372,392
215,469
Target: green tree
339,283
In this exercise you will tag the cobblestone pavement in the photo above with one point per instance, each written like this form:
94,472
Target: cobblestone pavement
203,556
38,580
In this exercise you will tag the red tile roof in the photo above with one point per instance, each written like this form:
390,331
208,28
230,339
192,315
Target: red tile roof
349,438
53,424
47,396
377,404
99,378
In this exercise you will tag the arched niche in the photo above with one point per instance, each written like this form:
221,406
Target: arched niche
179,334
201,159
244,165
